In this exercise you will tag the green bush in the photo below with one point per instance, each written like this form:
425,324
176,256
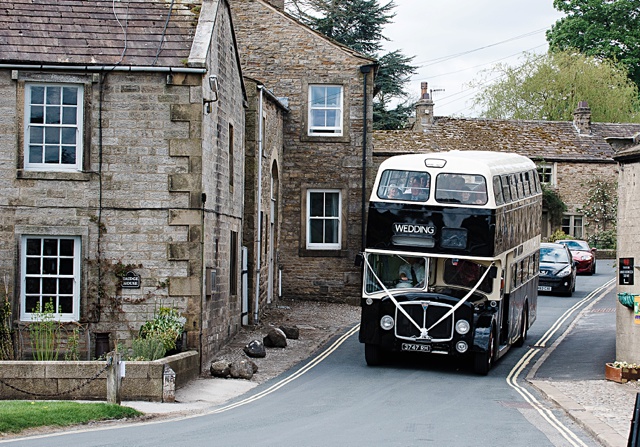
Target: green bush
167,325
604,240
559,235
151,348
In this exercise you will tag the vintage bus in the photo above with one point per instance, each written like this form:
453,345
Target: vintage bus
451,257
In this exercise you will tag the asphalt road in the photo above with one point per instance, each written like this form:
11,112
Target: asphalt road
418,400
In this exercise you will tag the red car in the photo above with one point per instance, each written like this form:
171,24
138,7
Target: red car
584,255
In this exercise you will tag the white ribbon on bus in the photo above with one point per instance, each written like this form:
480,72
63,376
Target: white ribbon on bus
424,333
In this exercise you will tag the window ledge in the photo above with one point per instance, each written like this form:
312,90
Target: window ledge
49,175
325,138
337,253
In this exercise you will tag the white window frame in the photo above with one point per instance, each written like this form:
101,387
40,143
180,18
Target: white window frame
27,314
573,226
325,130
77,128
324,245
548,170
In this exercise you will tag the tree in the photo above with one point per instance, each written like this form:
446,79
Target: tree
601,212
604,29
358,24
550,86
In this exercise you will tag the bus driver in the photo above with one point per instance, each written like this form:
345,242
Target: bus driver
413,270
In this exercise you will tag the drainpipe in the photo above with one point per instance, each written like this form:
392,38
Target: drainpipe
259,207
365,69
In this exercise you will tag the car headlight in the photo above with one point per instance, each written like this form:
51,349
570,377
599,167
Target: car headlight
462,327
586,257
565,271
387,322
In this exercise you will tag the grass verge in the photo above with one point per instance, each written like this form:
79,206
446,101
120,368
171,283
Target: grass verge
18,415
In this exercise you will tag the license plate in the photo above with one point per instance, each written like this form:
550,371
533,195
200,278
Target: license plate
416,347
544,288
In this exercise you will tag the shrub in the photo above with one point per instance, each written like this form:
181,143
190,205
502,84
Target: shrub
44,332
559,235
151,348
167,325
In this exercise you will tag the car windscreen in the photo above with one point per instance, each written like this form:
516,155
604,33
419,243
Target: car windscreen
553,255
576,245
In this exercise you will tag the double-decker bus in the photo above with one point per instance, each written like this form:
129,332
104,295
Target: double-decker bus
452,255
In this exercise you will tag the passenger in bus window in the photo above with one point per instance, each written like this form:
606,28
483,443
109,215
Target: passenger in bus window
480,194
417,192
394,192
413,270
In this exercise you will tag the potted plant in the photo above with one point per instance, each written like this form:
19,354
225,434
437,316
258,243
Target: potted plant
167,325
622,372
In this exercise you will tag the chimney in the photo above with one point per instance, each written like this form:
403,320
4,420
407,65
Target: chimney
278,4
582,118
424,109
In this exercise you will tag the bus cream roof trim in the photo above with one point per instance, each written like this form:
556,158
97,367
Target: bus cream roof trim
411,254
463,162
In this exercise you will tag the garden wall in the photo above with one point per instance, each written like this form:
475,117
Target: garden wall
68,380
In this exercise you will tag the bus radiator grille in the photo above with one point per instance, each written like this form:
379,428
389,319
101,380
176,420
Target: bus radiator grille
425,315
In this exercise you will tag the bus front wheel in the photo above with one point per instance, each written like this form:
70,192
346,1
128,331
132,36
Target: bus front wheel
483,361
373,354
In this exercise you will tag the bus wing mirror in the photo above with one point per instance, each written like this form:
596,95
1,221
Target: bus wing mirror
359,261
493,272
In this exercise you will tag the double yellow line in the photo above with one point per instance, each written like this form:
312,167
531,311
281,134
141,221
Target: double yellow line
512,378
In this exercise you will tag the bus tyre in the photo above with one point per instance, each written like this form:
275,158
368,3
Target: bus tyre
373,354
484,360
524,327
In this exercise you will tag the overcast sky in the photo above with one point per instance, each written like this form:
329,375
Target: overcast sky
453,40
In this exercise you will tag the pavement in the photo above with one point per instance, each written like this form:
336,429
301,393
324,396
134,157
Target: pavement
569,373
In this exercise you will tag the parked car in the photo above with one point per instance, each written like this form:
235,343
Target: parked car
557,269
584,255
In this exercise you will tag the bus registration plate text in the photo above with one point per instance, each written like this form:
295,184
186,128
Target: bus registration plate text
416,347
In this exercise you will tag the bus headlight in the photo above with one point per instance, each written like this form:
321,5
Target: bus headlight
462,347
462,327
387,322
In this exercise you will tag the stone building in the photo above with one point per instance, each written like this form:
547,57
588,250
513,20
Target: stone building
121,152
628,254
263,205
569,155
327,146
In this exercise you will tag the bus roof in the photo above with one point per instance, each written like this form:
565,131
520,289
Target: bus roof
487,163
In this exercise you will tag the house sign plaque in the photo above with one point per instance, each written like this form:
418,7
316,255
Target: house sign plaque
130,281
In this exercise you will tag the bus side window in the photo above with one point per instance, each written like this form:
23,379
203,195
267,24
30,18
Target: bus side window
527,184
497,190
513,187
506,191
536,181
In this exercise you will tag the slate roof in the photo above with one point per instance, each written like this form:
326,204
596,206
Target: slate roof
548,140
96,32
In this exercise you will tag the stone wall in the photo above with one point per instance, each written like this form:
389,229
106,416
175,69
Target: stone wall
53,380
627,332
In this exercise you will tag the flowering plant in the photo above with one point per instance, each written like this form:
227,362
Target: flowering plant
626,365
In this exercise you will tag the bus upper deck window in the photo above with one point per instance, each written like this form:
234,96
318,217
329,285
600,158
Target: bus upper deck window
404,185
460,188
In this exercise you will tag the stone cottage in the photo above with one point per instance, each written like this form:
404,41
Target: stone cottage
327,88
569,154
122,155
